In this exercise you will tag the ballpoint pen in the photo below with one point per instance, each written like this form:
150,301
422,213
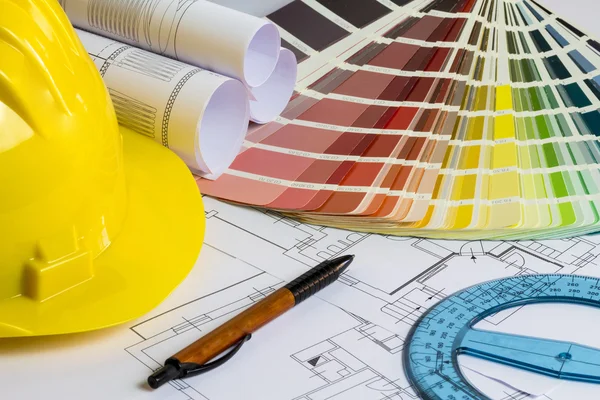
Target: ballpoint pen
193,360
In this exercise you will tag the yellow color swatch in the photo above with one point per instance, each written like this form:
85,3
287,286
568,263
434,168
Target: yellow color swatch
469,157
475,128
504,127
481,99
504,98
504,189
464,187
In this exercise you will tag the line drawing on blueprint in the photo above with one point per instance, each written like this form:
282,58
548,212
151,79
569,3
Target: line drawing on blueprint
135,20
171,103
342,365
152,65
141,62
399,295
134,114
336,364
182,8
362,363
193,317
360,359
114,57
150,24
106,61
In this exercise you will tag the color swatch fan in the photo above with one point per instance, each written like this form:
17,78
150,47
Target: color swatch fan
472,119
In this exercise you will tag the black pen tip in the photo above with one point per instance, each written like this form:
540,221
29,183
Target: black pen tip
342,259
340,264
343,262
162,376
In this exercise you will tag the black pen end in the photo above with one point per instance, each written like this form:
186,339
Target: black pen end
162,376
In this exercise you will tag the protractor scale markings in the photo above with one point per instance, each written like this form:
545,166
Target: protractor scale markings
446,330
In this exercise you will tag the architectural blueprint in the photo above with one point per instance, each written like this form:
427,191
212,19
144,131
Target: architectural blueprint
173,103
344,343
146,106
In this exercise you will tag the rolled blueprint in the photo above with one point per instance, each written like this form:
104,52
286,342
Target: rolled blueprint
201,115
196,32
270,99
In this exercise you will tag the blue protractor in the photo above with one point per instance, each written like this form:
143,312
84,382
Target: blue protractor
446,330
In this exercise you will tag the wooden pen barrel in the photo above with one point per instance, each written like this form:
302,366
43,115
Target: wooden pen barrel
230,333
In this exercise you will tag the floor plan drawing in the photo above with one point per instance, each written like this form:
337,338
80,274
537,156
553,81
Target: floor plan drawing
411,272
345,343
358,355
359,360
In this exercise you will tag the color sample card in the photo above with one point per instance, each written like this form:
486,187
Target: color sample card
471,119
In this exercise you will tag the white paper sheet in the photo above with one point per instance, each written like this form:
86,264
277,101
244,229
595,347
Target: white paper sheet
528,382
260,8
200,115
270,99
496,389
346,343
197,32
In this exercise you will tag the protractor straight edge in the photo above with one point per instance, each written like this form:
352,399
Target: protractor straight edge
446,330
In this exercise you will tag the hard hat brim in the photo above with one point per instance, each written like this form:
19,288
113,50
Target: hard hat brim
157,248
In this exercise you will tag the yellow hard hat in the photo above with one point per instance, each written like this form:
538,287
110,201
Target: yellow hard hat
98,224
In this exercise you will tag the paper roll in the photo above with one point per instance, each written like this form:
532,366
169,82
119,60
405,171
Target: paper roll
197,32
270,99
201,115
